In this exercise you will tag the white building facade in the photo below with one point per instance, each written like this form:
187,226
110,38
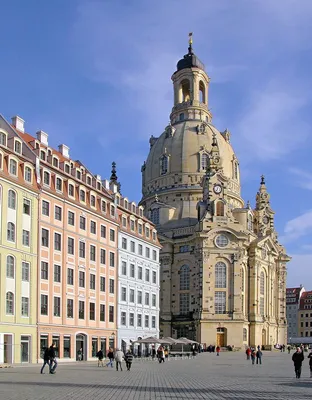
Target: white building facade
138,277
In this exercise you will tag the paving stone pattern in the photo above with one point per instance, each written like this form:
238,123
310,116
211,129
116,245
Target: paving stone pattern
229,376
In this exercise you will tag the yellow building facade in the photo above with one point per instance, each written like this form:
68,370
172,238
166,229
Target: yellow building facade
18,247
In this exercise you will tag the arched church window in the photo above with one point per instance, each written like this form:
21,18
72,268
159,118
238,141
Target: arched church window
186,90
181,117
220,209
262,285
202,92
155,216
163,165
220,275
235,170
204,161
185,277
262,292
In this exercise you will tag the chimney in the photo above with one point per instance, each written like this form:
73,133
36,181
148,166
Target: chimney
64,150
18,123
42,137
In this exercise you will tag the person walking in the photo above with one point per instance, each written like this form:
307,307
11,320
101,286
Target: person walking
288,348
118,358
80,354
161,354
310,362
259,356
100,357
52,357
253,356
248,352
110,356
298,358
46,359
129,359
218,349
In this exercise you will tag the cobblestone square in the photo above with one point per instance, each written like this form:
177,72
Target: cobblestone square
229,376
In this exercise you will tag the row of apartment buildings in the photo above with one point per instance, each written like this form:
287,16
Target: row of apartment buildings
79,263
299,314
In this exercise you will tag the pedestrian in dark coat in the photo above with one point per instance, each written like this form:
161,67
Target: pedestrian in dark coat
46,360
100,357
253,355
52,356
259,356
129,359
298,358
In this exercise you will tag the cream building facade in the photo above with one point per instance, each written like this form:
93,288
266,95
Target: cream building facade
223,271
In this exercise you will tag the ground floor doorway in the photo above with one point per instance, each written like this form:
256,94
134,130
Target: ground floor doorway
25,349
221,337
81,347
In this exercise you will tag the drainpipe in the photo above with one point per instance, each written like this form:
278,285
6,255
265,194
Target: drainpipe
38,277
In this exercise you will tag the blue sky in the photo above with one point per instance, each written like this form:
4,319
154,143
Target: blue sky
95,75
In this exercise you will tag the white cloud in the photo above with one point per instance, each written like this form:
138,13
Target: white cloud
297,227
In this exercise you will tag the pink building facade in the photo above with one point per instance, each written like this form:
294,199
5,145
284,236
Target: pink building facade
77,260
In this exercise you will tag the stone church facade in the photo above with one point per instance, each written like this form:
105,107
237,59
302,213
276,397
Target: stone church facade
223,271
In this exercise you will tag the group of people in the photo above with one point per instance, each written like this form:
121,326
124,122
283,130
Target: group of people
298,358
253,355
118,357
49,359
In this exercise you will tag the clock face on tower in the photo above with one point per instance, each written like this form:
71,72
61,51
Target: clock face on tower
217,189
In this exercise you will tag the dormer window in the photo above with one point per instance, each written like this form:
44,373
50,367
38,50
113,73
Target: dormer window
126,204
92,200
13,167
117,200
112,211
147,232
55,162
89,180
164,165
67,168
46,178
27,175
124,222
103,206
3,139
18,147
99,186
78,174
49,152
82,195
42,155
141,212
132,225
58,184
133,208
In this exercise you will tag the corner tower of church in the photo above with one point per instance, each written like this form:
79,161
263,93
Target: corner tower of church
223,271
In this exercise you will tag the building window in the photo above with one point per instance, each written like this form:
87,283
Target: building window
81,309
123,294
71,218
155,216
132,246
103,231
102,283
92,201
262,306
25,271
131,319
112,235
164,165
70,276
111,314
27,174
147,252
123,268
132,271
244,335
10,303
82,194
82,223
131,296
139,320
12,200
55,162
10,267
140,273
262,283
102,313
59,184
112,259
204,161
57,242
220,302
93,227
92,311
111,286
153,321
153,300
220,210
46,178
140,249
147,275
222,241
147,232
11,232
103,206
184,303
92,253
66,346
220,275
123,317
57,273
3,139
71,246
147,299
71,190
26,238
42,155
132,225
82,249
26,206
25,306
58,213
185,277
13,167
44,270
92,281
124,222
44,304
44,237
81,279
112,211
139,297
103,256
146,319
57,306
45,208
124,243
154,255
154,277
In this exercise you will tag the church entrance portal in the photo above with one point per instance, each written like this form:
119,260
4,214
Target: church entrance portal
221,337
